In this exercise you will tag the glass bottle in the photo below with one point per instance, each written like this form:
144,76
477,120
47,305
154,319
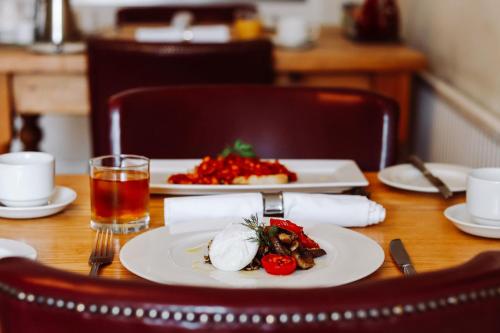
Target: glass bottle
389,20
368,21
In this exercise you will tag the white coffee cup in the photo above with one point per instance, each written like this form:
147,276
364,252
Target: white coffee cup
483,196
26,179
295,31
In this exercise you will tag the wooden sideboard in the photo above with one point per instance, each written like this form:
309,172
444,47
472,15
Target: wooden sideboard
32,84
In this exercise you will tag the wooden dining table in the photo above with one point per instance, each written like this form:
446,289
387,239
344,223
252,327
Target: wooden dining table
65,240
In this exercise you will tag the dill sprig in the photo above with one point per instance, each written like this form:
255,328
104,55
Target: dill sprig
262,233
253,223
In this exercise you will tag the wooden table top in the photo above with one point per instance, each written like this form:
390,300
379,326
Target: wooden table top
64,240
333,53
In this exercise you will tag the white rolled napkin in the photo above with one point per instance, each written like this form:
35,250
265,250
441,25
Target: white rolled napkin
342,210
195,34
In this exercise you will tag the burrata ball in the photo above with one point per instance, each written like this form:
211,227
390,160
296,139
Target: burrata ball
233,248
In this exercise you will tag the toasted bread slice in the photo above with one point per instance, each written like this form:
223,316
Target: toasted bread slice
280,178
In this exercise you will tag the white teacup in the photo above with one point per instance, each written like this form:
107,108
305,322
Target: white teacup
295,31
26,179
483,196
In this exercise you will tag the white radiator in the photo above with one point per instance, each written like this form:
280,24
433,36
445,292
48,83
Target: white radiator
451,128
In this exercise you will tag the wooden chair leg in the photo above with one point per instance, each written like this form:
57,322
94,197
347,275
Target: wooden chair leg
5,113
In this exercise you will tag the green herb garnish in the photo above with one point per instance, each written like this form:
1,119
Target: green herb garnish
239,148
263,234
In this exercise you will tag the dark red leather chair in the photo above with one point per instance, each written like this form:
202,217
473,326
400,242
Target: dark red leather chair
117,65
208,13
35,298
280,122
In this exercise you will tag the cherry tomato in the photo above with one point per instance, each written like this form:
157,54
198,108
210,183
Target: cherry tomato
277,264
287,225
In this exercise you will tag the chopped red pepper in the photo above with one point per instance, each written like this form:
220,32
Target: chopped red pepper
307,242
304,240
287,225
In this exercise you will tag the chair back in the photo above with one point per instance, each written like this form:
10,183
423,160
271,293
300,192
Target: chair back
117,65
209,13
280,122
36,298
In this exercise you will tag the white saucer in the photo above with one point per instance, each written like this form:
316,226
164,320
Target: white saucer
407,177
12,248
462,220
62,197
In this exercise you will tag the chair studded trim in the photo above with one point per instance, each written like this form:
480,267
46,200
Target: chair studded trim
207,314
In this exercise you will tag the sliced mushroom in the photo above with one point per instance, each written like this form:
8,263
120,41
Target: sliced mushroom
285,238
254,265
304,260
295,245
262,251
316,252
278,247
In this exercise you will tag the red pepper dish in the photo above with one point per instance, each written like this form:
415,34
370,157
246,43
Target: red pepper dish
232,169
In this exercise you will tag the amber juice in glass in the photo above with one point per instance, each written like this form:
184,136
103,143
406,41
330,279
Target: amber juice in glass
119,193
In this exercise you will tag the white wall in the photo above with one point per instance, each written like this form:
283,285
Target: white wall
445,131
98,14
461,39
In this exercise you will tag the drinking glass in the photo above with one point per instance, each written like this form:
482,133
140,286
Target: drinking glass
247,25
119,193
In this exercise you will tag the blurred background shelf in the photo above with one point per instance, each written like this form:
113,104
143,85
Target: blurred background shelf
37,84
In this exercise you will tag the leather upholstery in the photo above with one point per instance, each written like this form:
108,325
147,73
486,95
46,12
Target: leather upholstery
209,13
35,298
280,122
116,65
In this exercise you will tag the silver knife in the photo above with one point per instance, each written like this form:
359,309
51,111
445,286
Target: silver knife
401,257
438,183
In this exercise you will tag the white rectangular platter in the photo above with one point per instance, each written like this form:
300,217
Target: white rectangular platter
317,176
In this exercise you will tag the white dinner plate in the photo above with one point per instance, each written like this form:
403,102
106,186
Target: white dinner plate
461,218
12,248
322,176
62,197
178,259
407,177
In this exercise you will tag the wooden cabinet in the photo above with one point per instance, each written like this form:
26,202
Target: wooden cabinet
51,93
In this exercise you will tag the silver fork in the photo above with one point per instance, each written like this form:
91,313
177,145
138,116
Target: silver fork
102,252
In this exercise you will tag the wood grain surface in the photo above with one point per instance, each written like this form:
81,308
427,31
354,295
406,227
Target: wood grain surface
64,240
